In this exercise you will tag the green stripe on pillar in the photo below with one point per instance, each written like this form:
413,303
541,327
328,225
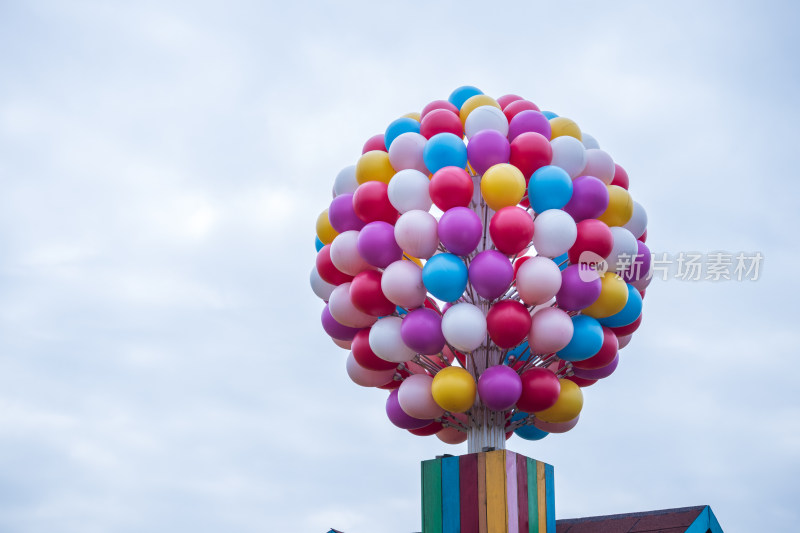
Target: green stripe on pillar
432,496
533,498
451,510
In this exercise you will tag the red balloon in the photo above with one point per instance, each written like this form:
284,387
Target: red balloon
518,106
441,121
620,177
643,238
327,271
507,99
367,296
451,187
511,229
371,203
540,390
508,323
375,142
518,263
425,431
431,304
606,354
627,330
593,236
391,385
581,382
530,151
438,104
364,355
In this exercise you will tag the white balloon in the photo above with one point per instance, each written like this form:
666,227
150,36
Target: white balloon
464,327
344,253
623,250
551,330
638,222
408,190
321,288
386,342
402,285
416,399
600,165
485,117
538,280
589,141
345,181
344,312
416,233
624,340
365,377
406,152
569,154
554,231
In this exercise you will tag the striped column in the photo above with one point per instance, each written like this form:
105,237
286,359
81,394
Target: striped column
488,492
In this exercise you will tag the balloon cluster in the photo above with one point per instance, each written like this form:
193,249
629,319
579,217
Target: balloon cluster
483,261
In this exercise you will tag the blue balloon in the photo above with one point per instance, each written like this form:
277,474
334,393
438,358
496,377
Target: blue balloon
444,150
399,127
587,339
562,261
527,432
629,313
445,277
549,114
400,310
550,187
318,244
521,352
462,94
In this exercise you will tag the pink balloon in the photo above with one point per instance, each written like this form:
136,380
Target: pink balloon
538,280
367,378
451,436
416,399
551,330
556,427
343,310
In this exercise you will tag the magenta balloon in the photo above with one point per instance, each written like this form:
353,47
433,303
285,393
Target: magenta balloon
342,215
499,387
556,427
491,273
598,373
335,329
460,230
528,120
575,293
486,149
421,330
400,418
640,266
377,245
589,198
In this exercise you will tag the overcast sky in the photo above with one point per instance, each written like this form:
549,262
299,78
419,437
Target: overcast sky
162,164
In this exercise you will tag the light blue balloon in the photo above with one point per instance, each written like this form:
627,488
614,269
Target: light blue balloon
445,277
462,94
527,432
400,310
629,313
550,187
318,244
444,150
521,352
562,261
587,339
549,114
399,127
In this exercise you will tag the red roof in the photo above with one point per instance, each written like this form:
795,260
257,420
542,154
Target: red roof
664,521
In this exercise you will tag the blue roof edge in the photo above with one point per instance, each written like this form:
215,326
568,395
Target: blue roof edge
705,522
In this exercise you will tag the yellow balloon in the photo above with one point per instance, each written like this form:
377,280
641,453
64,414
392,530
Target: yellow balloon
413,260
416,116
325,231
374,166
474,102
620,207
613,297
453,389
502,185
560,126
568,405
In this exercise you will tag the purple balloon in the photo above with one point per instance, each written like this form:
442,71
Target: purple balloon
486,149
640,265
342,215
421,330
399,418
598,373
528,120
589,198
460,230
335,329
491,273
377,246
580,287
499,387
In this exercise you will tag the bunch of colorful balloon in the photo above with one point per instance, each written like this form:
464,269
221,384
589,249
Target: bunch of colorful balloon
483,260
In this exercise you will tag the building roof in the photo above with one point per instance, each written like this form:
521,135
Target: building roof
698,519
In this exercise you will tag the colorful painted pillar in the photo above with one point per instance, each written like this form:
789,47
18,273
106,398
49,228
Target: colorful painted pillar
488,492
